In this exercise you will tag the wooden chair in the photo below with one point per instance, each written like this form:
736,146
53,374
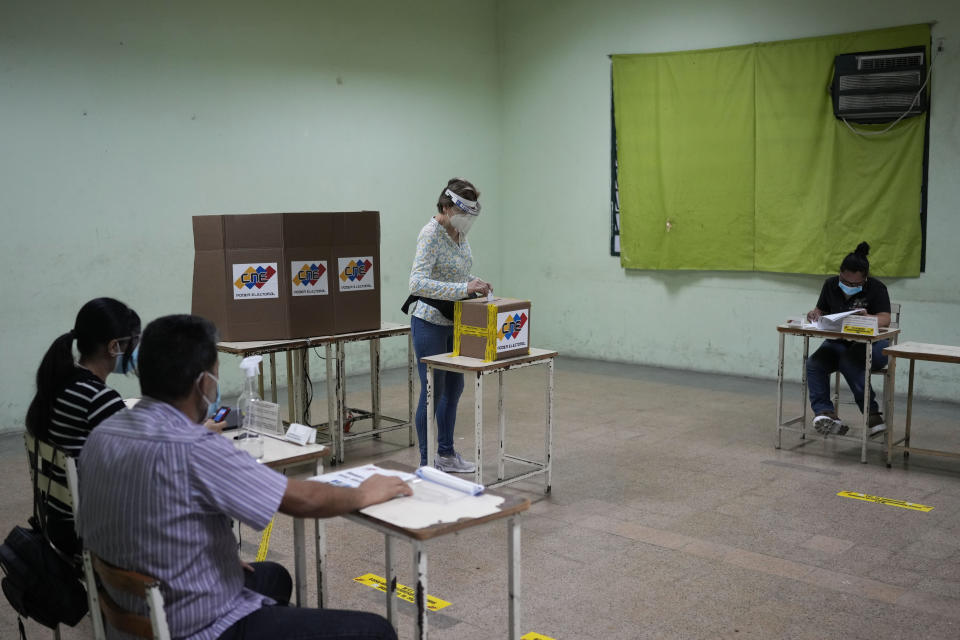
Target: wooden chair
68,495
895,309
154,624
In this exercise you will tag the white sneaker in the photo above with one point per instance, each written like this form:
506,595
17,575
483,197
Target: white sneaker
877,429
826,424
454,464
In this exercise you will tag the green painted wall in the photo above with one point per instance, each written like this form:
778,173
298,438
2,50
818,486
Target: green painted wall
555,188
118,121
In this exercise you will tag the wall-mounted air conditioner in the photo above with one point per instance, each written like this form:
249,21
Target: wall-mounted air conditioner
879,86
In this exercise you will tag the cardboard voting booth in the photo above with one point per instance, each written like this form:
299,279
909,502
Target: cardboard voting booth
272,276
491,330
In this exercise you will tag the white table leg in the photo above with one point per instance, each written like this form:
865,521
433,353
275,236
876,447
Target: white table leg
889,390
292,384
779,392
299,562
478,426
431,419
391,578
867,387
549,451
320,542
804,398
331,400
503,424
375,382
341,397
420,562
513,550
410,366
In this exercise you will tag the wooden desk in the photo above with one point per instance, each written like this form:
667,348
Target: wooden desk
298,375
913,351
510,509
478,369
287,457
784,330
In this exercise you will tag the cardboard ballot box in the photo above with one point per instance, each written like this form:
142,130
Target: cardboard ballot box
491,330
271,276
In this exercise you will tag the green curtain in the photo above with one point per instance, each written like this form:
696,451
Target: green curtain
739,151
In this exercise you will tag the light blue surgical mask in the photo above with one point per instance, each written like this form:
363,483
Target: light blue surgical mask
211,406
131,364
850,291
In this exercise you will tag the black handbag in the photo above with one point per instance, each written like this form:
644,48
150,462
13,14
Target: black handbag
40,583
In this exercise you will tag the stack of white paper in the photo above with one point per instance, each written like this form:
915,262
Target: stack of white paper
832,322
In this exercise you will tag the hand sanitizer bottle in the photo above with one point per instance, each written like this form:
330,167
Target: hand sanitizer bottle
249,439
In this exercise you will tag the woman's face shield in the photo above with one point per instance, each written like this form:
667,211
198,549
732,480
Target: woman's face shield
466,214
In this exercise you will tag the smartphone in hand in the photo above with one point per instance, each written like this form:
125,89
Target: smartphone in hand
221,414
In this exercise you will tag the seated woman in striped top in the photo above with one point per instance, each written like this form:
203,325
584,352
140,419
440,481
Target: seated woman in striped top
72,396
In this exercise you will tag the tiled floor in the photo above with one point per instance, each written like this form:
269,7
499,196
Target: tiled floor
671,516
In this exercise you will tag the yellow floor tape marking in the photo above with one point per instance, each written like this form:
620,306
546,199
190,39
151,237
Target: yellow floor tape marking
403,592
265,541
888,501
535,636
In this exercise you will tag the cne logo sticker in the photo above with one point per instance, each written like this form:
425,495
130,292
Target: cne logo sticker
514,330
252,281
309,278
356,273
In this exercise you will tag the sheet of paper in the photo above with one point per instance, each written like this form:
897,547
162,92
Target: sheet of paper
301,434
265,417
834,321
354,476
424,508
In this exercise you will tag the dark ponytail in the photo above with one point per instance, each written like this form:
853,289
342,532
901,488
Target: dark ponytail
857,261
459,186
98,322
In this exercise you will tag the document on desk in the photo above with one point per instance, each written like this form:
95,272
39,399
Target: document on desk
433,501
354,476
832,322
432,504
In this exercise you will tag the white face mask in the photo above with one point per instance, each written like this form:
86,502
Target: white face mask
462,222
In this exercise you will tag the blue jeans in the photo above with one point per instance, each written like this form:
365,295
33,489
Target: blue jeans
280,621
848,358
429,340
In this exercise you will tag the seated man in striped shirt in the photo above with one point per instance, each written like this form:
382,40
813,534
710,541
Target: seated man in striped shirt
158,492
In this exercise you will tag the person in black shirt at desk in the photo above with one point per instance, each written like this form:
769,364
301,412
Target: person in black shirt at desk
852,289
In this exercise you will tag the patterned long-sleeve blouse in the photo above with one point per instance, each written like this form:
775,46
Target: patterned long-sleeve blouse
441,270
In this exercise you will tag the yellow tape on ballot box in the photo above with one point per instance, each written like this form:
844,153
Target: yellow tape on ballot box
535,636
403,592
892,502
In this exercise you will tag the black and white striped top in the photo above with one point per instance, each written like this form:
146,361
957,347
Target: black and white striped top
77,409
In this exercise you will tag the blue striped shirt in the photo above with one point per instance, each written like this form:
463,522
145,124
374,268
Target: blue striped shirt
157,493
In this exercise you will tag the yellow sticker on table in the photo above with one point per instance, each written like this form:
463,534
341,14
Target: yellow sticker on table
893,502
535,636
864,331
403,592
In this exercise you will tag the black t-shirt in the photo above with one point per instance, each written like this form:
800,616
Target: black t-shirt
873,297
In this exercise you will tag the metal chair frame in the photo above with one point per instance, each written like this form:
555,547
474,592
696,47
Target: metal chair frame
895,311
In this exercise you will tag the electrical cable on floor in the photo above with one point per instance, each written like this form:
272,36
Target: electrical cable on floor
307,388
